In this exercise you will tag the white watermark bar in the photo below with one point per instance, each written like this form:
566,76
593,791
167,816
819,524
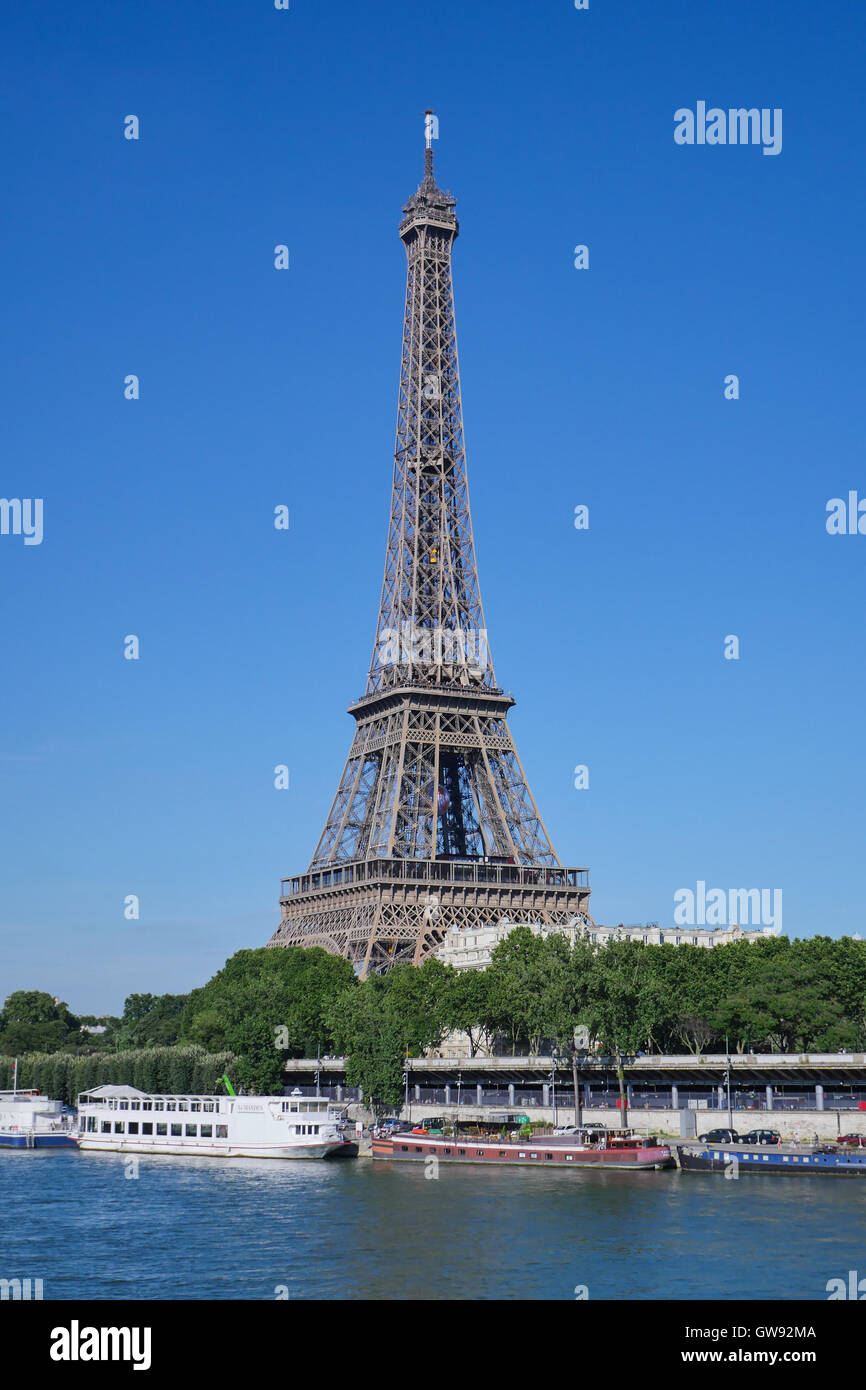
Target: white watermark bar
718,907
409,645
22,516
714,125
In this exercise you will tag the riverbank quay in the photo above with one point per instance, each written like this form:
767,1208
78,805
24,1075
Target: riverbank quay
797,1089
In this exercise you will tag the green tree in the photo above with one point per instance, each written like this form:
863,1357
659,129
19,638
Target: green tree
260,1065
151,1020
626,1004
466,1006
32,1021
287,990
513,984
372,1038
565,975
416,999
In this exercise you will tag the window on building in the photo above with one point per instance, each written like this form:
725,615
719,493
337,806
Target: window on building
190,1131
133,1127
176,1131
119,1126
162,1129
146,1127
222,1132
106,1126
206,1131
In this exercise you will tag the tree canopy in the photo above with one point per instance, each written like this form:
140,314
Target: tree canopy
266,1005
31,1021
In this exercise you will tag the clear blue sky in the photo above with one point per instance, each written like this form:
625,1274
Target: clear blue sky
260,387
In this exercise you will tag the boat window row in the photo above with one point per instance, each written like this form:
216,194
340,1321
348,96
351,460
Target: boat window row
160,1129
304,1107
479,1153
195,1106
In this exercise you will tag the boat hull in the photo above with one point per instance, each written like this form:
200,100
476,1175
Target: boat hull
761,1160
29,1140
542,1153
330,1150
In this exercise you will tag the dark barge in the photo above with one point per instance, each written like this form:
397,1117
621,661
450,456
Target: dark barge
819,1160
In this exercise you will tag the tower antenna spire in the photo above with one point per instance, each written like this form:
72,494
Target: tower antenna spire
431,133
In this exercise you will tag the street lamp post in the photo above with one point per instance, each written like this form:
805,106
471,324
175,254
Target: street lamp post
406,1091
574,1081
728,1082
553,1080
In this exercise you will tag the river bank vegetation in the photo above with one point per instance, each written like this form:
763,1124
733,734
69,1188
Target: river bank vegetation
537,995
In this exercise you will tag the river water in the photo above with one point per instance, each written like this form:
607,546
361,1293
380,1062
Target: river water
237,1228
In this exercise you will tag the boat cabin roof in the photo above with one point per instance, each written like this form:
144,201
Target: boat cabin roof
99,1093
112,1092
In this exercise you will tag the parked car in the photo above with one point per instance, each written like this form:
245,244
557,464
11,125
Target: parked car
761,1136
719,1136
566,1129
858,1139
393,1123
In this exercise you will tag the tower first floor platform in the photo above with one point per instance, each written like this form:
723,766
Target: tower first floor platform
383,912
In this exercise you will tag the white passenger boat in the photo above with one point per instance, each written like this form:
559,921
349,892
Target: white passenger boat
122,1119
29,1120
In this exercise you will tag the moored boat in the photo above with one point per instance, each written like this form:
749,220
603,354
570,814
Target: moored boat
583,1149
122,1119
818,1160
29,1120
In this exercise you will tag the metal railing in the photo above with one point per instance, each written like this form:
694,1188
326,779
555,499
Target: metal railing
498,1098
432,871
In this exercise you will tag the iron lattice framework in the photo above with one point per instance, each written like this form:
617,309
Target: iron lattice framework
433,824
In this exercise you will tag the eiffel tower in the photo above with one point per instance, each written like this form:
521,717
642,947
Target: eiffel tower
433,824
